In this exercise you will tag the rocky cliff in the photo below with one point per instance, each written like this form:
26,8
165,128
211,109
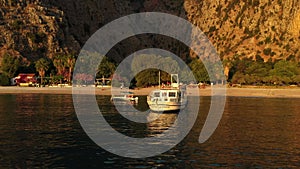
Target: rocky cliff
248,28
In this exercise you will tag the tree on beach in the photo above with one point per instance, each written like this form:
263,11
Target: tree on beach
199,71
10,65
147,65
106,68
60,64
296,79
70,63
227,64
88,62
4,80
83,79
285,72
238,78
248,71
42,65
147,78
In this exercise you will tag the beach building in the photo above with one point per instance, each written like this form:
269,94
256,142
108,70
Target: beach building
24,79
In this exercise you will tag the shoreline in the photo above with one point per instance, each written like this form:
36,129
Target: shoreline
239,92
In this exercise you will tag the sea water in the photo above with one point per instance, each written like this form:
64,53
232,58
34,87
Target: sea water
42,131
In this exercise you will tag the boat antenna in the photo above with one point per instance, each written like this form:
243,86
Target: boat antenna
159,79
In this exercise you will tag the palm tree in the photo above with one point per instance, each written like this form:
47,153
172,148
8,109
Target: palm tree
227,64
70,63
59,62
42,65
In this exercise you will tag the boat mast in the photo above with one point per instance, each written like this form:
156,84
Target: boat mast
159,78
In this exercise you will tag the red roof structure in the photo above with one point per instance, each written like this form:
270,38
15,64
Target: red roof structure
25,78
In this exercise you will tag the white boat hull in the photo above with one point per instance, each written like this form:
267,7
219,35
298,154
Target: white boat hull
124,97
166,106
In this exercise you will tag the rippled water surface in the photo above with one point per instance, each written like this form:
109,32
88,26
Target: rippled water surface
42,131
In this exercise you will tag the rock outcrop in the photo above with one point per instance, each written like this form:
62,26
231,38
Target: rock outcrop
248,28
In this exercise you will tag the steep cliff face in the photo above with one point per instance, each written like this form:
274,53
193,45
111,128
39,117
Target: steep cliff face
33,30
86,17
45,28
247,28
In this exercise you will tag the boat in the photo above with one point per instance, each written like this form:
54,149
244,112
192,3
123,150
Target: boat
171,98
124,96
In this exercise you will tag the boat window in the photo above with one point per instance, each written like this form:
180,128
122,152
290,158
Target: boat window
156,94
172,94
164,94
173,100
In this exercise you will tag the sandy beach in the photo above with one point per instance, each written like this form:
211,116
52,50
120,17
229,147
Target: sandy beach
242,92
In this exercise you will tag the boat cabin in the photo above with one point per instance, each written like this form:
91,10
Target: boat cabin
167,95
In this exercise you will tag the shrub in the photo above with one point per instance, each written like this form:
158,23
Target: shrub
4,80
267,51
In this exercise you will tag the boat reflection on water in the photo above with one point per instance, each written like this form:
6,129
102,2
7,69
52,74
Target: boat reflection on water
160,122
